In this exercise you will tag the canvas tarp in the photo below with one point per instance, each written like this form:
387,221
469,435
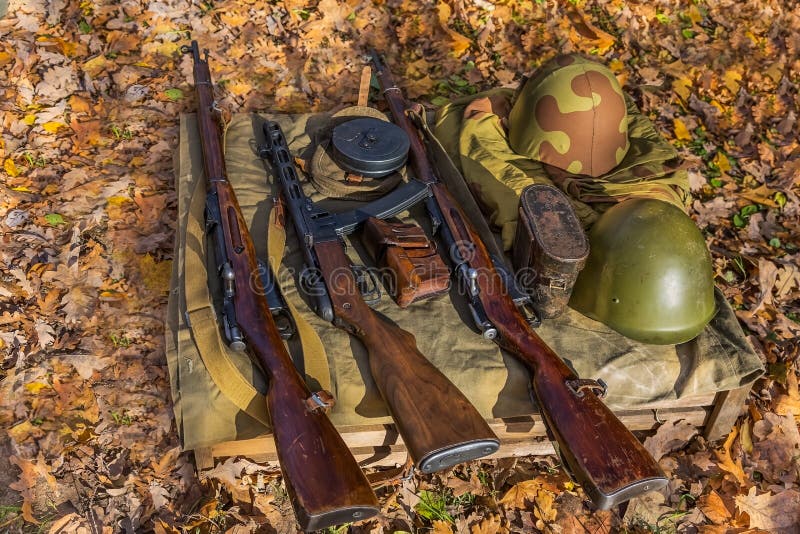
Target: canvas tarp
719,359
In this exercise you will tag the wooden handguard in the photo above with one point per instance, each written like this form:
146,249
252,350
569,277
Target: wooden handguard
411,267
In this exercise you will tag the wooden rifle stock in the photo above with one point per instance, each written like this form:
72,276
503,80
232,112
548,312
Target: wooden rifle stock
601,453
324,481
438,424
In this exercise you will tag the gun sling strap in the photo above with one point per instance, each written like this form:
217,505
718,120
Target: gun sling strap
202,320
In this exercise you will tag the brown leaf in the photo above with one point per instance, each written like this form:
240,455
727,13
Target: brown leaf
713,507
493,524
726,461
777,514
521,493
670,436
778,445
441,527
767,276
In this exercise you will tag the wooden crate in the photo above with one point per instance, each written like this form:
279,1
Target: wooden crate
381,445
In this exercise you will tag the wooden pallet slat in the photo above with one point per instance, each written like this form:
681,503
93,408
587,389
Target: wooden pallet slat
381,445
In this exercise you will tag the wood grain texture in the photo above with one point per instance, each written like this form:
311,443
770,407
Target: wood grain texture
610,463
430,412
324,481
602,453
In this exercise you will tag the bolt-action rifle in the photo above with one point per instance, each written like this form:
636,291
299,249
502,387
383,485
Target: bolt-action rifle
326,485
439,426
605,458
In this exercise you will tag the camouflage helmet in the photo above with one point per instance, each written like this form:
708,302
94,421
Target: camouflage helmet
648,275
572,115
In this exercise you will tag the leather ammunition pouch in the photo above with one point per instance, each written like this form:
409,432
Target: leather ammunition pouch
411,268
550,248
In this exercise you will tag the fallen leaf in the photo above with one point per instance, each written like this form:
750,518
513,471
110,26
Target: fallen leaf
670,436
778,445
681,132
726,461
777,514
713,507
492,524
458,43
441,527
44,333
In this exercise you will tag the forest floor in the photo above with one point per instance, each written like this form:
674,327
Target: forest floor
90,94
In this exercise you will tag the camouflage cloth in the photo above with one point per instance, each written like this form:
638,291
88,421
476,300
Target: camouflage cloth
474,131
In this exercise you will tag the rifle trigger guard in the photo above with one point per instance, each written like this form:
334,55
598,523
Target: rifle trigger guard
320,400
368,284
578,386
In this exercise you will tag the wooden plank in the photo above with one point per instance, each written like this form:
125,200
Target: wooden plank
203,458
381,445
728,406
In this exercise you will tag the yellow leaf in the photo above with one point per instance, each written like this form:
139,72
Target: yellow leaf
694,14
718,106
155,275
36,387
616,65
460,43
29,119
722,162
22,189
5,58
727,463
732,79
681,132
168,48
118,200
239,88
52,126
95,66
521,492
11,167
683,87
775,71
746,439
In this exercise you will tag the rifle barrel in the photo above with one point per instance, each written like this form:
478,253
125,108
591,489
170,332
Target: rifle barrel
325,483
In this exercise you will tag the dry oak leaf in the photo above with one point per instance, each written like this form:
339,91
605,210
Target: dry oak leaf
777,514
493,524
458,43
727,463
531,491
778,446
713,507
441,527
670,436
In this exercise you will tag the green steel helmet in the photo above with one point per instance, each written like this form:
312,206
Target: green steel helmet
572,115
648,275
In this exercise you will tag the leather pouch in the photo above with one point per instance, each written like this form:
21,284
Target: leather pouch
411,268
550,248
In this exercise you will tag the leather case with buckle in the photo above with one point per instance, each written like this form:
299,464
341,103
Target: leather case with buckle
411,268
550,248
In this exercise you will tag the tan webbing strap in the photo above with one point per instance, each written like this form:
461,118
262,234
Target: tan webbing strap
203,321
314,356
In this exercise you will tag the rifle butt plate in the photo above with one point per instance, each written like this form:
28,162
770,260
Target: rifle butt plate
605,501
337,516
456,454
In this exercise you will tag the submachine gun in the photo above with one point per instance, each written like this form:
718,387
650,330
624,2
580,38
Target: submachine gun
603,455
439,426
325,483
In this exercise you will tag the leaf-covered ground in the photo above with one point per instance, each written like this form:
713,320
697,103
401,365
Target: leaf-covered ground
91,93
